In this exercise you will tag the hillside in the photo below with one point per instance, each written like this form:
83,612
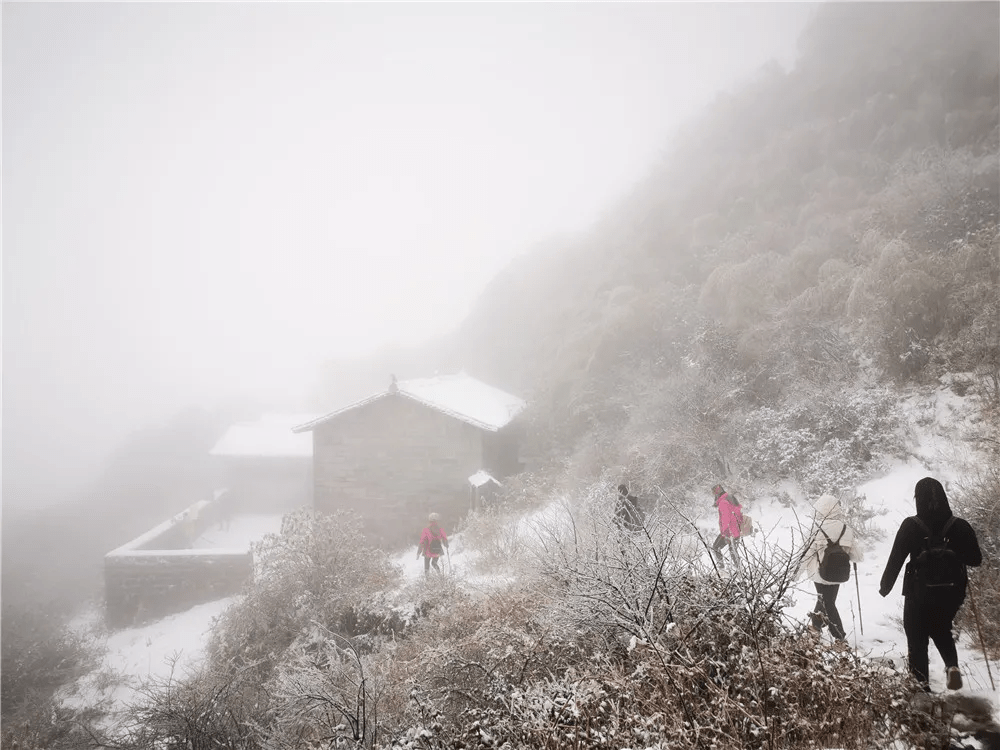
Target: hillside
828,225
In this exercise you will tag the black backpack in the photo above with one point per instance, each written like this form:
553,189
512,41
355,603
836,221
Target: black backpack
435,547
629,514
835,563
937,569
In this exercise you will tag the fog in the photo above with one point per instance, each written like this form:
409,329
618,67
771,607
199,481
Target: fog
204,202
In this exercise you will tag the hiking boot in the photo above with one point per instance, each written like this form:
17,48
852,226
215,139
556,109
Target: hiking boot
954,679
841,645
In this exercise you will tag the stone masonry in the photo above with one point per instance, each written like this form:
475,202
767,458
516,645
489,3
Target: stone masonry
393,461
155,575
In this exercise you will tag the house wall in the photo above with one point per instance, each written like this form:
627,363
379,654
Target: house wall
501,456
263,484
393,461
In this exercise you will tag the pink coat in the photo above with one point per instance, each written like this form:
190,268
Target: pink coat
730,517
427,536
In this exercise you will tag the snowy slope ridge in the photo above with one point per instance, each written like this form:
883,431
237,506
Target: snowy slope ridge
942,431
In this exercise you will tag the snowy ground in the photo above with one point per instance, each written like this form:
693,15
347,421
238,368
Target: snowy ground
176,643
241,531
861,608
173,645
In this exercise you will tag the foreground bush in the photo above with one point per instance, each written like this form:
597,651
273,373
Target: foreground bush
603,639
211,709
979,503
316,581
318,569
40,655
621,642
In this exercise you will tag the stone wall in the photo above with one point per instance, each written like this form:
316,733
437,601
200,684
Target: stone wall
268,484
393,461
156,575
501,451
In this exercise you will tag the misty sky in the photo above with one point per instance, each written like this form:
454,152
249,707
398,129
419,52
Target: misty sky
205,201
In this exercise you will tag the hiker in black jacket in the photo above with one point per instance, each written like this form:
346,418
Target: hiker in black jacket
628,511
929,615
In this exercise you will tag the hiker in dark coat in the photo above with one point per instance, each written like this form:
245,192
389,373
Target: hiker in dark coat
628,512
930,616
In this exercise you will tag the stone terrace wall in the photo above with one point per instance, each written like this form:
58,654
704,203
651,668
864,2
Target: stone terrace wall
155,575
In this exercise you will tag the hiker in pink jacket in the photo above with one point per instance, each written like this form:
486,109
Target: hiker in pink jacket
730,518
432,542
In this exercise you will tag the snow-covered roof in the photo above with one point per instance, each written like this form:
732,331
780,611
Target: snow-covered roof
481,477
460,396
271,436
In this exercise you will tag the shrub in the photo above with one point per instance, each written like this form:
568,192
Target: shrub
43,724
827,443
212,708
627,644
493,531
979,504
319,568
317,576
40,654
323,692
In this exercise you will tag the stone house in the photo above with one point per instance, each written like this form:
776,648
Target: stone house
264,467
412,449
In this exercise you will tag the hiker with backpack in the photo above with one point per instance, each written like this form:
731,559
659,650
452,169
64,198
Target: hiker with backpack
629,515
730,521
940,546
827,558
433,540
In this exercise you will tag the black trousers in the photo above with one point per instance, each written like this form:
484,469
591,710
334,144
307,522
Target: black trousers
428,561
825,611
725,541
923,622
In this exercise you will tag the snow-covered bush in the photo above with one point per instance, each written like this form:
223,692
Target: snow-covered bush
40,655
619,644
979,504
828,443
493,530
325,692
212,708
319,568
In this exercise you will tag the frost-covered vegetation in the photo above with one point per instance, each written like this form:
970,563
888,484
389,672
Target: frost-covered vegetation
599,639
818,243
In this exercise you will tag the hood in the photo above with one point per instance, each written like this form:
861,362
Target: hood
932,502
828,507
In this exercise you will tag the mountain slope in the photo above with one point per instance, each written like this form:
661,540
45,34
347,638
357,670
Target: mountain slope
820,226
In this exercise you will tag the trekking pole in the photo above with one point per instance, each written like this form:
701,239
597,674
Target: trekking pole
979,627
857,590
447,551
